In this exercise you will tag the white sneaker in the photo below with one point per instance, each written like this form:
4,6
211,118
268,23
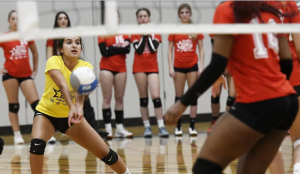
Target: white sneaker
192,132
296,168
178,132
52,140
18,139
108,129
123,133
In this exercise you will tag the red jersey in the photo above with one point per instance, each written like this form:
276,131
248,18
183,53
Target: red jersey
254,61
17,58
290,7
116,62
50,43
185,50
146,62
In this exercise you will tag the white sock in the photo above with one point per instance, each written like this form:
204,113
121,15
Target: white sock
108,126
160,123
18,133
296,168
119,126
146,123
127,171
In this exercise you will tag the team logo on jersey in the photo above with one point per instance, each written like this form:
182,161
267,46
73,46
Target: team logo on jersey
20,51
58,98
185,45
58,94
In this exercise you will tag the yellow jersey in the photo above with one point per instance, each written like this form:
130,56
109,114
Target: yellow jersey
52,102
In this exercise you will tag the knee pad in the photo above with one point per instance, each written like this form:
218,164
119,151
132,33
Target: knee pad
296,143
230,101
194,103
14,107
144,102
34,104
206,167
215,100
111,158
37,146
157,103
176,99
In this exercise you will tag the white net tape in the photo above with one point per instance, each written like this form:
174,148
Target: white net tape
28,26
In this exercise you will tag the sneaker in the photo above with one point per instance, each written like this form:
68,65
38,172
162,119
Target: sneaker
163,133
178,132
52,140
193,132
210,127
18,139
123,133
148,133
109,136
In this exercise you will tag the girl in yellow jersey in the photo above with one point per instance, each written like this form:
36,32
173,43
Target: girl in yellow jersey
61,108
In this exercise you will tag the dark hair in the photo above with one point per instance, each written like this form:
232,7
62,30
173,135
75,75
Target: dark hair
11,12
246,10
55,41
143,9
60,43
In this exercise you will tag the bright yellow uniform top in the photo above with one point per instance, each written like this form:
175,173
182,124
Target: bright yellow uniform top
52,102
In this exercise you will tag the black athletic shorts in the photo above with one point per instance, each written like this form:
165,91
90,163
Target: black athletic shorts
147,73
6,76
113,72
267,115
60,124
297,89
187,70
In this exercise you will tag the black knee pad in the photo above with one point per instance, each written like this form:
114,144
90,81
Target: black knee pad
37,146
206,167
1,145
34,104
215,100
194,103
144,102
176,99
157,103
14,107
230,101
111,158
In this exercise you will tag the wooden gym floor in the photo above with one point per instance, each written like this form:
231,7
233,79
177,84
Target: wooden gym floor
142,156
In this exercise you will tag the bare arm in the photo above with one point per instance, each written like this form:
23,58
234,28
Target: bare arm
201,54
49,52
62,84
79,100
35,56
170,54
296,39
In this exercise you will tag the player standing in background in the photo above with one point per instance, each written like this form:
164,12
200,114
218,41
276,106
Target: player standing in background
145,70
113,74
185,66
17,73
266,104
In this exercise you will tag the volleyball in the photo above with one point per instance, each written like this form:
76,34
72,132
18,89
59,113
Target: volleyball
83,80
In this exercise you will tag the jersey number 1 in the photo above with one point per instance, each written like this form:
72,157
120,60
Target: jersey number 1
260,51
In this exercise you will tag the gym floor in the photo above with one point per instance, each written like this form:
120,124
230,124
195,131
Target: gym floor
142,156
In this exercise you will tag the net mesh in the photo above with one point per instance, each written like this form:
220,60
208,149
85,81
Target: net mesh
86,19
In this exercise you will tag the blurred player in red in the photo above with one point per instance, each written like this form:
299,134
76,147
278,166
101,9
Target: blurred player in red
145,70
185,66
113,74
266,104
294,42
18,73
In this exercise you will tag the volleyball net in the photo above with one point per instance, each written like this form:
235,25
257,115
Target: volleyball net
28,24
